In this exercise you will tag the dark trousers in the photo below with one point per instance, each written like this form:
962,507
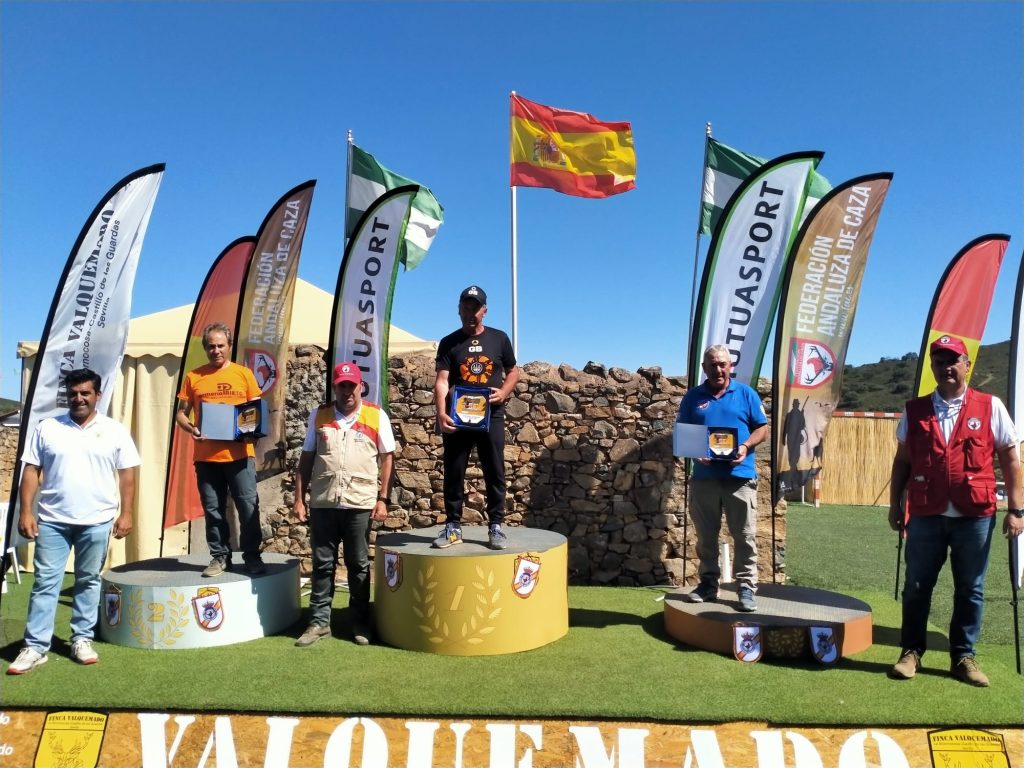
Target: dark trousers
351,529
490,447
216,479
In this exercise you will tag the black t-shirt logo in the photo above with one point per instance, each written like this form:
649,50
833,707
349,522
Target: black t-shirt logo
476,369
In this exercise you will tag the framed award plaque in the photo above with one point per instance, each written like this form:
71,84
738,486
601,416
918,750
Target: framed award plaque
723,443
471,407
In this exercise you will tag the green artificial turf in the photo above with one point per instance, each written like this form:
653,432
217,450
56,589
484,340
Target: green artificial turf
616,662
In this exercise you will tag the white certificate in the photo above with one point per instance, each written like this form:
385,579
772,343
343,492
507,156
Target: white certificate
690,441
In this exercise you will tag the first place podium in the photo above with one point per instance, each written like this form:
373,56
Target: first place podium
468,600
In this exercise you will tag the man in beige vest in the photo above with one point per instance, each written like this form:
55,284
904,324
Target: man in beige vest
348,444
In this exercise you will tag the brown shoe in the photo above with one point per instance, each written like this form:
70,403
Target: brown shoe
313,633
965,669
906,667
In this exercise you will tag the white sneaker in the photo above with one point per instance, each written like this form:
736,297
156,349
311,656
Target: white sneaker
82,652
27,661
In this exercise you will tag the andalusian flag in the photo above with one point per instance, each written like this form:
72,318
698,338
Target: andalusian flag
570,152
368,181
725,169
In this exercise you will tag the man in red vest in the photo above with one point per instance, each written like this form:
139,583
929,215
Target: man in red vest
944,464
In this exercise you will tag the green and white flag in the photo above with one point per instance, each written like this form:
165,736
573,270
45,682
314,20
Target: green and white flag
368,181
725,169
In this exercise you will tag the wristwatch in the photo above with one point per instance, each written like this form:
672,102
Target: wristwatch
1018,513
383,498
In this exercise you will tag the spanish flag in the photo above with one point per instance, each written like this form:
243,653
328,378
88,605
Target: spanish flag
570,152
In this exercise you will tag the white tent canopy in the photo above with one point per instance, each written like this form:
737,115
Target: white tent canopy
145,394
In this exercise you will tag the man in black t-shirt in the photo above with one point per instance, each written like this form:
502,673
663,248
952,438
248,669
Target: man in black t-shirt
474,356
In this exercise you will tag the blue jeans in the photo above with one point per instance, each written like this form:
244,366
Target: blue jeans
967,539
215,480
53,546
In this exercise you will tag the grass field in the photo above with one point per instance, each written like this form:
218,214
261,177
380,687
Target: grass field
616,662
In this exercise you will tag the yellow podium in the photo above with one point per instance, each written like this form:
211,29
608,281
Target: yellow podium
468,600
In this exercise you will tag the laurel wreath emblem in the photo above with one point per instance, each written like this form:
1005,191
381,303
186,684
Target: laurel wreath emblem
177,616
481,620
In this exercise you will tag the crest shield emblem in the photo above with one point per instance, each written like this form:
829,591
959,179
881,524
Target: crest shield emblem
263,367
71,739
392,570
112,605
811,363
746,643
208,608
527,574
968,748
823,644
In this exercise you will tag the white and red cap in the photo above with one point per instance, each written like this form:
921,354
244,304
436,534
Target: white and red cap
347,372
948,344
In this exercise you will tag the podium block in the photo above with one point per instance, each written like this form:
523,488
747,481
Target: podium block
166,604
468,600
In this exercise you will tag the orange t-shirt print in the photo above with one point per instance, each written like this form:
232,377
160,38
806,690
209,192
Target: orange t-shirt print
231,385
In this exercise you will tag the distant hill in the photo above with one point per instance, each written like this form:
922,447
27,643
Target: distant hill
889,383
6,406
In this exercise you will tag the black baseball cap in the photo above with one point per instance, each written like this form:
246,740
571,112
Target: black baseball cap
474,292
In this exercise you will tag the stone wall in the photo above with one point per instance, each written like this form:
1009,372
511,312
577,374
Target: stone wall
588,455
8,453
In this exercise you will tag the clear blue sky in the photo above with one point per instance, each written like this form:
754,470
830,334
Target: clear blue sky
244,101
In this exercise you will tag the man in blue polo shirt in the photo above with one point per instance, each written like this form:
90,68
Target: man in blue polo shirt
729,486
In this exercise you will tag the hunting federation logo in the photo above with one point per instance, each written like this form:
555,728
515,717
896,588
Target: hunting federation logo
392,570
112,605
527,575
208,608
263,367
746,642
811,363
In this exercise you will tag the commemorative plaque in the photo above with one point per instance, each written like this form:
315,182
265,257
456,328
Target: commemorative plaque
723,443
471,407
219,421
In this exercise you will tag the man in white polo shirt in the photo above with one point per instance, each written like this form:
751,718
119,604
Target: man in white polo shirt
72,461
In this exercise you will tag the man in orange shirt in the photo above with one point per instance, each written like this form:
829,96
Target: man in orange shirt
223,466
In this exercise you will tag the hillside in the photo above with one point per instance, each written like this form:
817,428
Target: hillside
888,384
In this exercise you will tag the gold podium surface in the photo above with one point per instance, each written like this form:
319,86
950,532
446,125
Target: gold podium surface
468,600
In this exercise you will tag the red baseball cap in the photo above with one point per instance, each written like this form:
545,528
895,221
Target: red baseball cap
948,344
347,372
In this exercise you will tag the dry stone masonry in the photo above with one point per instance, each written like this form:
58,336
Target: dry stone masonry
588,454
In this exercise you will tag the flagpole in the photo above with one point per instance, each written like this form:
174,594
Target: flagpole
696,244
515,255
689,329
350,140
348,207
1014,570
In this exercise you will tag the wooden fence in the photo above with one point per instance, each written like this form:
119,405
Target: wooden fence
858,458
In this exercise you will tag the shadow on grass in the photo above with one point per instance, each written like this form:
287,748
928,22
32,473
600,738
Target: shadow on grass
890,636
588,617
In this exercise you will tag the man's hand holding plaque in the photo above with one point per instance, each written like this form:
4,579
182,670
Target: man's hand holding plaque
471,407
723,444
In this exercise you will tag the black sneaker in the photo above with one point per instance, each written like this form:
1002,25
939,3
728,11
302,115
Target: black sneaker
255,566
705,592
